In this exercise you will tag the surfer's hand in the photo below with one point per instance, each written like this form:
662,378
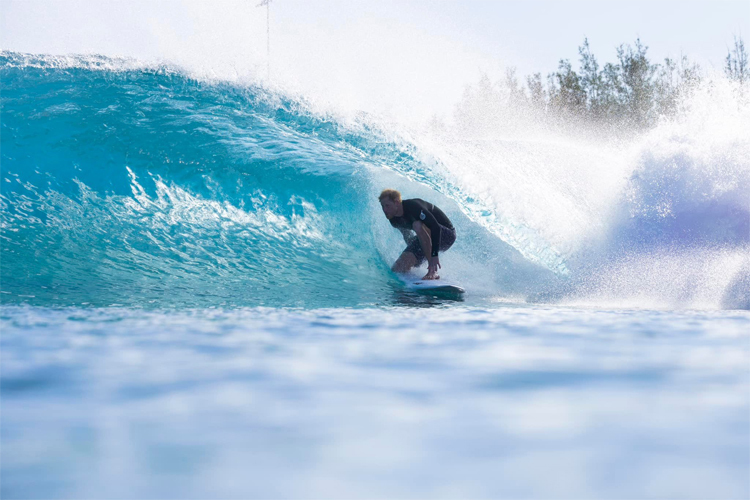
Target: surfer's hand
433,264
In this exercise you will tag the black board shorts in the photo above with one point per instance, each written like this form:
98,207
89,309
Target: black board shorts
447,238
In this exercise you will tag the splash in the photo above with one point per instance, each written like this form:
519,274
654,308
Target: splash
654,219
141,186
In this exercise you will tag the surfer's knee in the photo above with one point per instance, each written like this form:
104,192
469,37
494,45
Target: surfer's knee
400,266
404,263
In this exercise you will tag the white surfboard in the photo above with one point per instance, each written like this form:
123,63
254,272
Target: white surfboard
430,286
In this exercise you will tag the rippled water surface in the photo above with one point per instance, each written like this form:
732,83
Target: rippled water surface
441,401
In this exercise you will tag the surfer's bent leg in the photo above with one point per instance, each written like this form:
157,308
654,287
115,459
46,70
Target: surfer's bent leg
412,256
405,262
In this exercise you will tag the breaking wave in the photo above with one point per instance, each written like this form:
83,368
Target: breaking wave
141,186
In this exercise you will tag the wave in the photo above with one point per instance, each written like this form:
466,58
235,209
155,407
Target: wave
141,186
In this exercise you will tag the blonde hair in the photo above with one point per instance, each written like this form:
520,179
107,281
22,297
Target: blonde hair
390,193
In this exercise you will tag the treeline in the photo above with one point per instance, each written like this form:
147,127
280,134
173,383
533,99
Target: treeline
631,93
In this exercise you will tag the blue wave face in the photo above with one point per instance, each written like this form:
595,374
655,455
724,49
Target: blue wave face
143,187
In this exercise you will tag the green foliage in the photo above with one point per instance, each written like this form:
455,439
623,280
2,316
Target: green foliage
736,66
674,78
629,94
622,92
566,93
536,90
592,81
637,89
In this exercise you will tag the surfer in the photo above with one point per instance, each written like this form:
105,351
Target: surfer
434,231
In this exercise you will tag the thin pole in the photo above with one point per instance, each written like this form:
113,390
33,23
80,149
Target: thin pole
268,39
267,3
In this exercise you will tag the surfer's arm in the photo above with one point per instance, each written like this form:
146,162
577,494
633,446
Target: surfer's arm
425,239
430,222
419,212
423,233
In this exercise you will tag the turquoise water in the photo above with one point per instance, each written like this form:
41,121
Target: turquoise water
143,188
508,402
197,302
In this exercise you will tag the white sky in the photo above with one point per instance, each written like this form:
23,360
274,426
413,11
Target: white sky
406,58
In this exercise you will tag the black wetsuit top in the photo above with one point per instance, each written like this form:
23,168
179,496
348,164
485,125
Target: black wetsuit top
419,210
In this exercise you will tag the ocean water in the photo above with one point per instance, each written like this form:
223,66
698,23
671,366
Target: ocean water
196,299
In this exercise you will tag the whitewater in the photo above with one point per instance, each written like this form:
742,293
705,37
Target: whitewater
197,298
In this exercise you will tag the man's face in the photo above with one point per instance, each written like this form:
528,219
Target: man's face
390,207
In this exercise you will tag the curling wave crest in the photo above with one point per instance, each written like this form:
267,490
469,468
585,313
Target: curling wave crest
140,186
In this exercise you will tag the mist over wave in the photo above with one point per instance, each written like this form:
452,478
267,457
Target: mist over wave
658,217
137,185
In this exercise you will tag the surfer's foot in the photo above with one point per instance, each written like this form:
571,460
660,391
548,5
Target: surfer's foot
433,277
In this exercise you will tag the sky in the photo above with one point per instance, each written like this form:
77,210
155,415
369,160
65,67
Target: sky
409,59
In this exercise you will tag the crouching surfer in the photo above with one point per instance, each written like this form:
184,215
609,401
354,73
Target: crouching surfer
434,231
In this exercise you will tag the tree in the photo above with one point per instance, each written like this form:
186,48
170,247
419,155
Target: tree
567,93
536,90
480,105
592,81
637,83
516,95
667,87
631,93
736,62
673,79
